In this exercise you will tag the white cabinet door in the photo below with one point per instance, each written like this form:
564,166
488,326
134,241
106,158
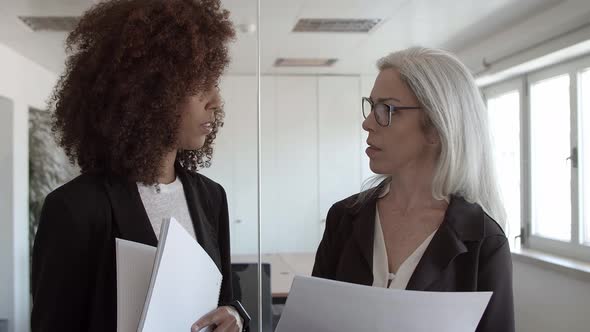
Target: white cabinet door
245,201
290,171
222,164
340,118
311,157
271,181
234,163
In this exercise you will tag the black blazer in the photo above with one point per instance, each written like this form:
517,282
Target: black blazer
469,252
74,274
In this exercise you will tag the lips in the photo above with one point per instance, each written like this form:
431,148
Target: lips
207,127
373,146
372,150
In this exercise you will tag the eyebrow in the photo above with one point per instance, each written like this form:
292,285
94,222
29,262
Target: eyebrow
380,100
214,106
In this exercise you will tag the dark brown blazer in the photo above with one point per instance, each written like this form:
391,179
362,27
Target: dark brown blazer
469,252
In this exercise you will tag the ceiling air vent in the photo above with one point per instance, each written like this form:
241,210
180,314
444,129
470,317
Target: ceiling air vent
335,25
50,23
304,62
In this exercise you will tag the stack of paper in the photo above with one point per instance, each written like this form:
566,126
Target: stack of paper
168,288
135,262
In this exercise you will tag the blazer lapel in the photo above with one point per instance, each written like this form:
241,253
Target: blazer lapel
363,219
200,209
364,233
128,211
461,224
443,248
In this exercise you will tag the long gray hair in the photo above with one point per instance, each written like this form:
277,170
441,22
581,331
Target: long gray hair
454,106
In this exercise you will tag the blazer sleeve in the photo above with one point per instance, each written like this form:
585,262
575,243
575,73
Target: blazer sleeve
326,258
495,274
61,270
226,295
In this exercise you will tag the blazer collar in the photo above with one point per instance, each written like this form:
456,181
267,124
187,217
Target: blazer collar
463,222
133,223
200,208
128,211
364,231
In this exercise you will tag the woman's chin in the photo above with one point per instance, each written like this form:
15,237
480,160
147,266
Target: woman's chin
377,169
195,144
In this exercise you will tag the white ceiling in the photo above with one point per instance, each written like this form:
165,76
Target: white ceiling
452,24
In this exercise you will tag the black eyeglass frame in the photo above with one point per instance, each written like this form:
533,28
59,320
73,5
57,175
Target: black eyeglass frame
390,110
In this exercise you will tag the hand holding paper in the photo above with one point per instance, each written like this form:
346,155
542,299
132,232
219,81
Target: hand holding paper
226,318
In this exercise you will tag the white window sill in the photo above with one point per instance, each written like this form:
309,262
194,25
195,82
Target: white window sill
570,267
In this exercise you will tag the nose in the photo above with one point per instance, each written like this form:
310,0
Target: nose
369,123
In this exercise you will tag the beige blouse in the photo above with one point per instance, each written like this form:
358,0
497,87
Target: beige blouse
382,277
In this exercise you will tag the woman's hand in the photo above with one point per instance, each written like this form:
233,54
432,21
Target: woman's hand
222,319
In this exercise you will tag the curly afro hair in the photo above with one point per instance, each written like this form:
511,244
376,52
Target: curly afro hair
130,65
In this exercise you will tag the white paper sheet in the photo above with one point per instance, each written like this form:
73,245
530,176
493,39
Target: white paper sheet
185,284
322,305
134,269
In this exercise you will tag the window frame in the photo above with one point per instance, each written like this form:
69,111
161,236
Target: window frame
497,90
574,248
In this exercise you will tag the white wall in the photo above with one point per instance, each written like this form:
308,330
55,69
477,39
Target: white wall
548,301
25,84
339,146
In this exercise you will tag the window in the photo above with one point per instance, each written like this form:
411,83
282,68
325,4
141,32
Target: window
504,121
550,149
540,129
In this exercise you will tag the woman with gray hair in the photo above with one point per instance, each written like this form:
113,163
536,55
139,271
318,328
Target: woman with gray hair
430,224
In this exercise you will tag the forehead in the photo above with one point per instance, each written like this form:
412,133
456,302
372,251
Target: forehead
211,93
389,84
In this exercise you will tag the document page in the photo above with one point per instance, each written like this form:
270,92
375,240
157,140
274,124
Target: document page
322,305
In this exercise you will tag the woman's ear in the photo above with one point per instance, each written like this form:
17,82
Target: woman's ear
432,137
430,132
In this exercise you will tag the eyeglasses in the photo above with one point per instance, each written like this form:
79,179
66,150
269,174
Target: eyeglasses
382,111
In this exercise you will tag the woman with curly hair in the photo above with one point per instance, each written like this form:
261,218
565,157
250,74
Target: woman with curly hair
137,109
